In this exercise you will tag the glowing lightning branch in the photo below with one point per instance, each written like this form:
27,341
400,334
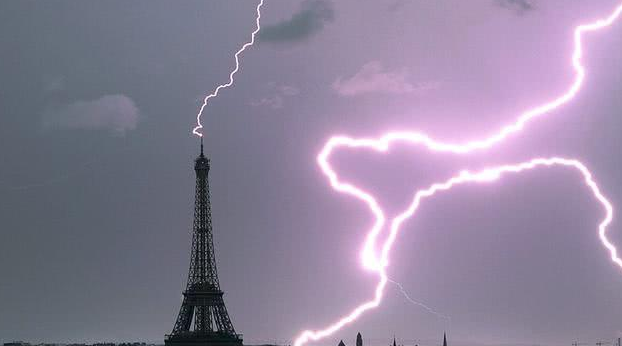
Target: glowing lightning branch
483,176
518,125
197,129
378,264
427,308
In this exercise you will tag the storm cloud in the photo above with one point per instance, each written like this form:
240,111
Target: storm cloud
517,5
373,77
90,218
308,21
116,113
277,96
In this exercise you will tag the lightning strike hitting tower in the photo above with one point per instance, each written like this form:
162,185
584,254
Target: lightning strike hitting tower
203,319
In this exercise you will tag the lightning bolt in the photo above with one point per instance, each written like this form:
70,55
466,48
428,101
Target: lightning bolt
369,257
378,264
484,176
197,129
427,308
420,138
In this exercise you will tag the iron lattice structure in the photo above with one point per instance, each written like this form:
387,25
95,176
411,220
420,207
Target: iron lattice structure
203,318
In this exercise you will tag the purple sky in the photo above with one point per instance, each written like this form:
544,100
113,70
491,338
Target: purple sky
96,183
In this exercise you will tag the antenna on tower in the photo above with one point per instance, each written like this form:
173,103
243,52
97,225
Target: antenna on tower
201,146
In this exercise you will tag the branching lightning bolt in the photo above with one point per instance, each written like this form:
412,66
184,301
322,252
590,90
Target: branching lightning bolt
378,264
483,176
197,129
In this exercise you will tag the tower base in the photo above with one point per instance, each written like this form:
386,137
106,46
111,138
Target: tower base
195,339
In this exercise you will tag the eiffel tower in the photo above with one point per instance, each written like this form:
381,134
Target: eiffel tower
203,319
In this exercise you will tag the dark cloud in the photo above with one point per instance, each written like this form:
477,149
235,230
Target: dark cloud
309,20
520,6
116,113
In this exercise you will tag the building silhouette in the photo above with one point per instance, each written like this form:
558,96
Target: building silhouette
341,343
203,319
444,339
359,340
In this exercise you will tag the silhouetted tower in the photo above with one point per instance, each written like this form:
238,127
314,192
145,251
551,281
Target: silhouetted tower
203,319
341,343
359,340
444,339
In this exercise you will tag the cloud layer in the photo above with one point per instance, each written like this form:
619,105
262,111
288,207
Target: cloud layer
518,5
374,78
309,20
278,95
116,113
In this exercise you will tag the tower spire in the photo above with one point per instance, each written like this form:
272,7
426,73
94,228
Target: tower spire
202,146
